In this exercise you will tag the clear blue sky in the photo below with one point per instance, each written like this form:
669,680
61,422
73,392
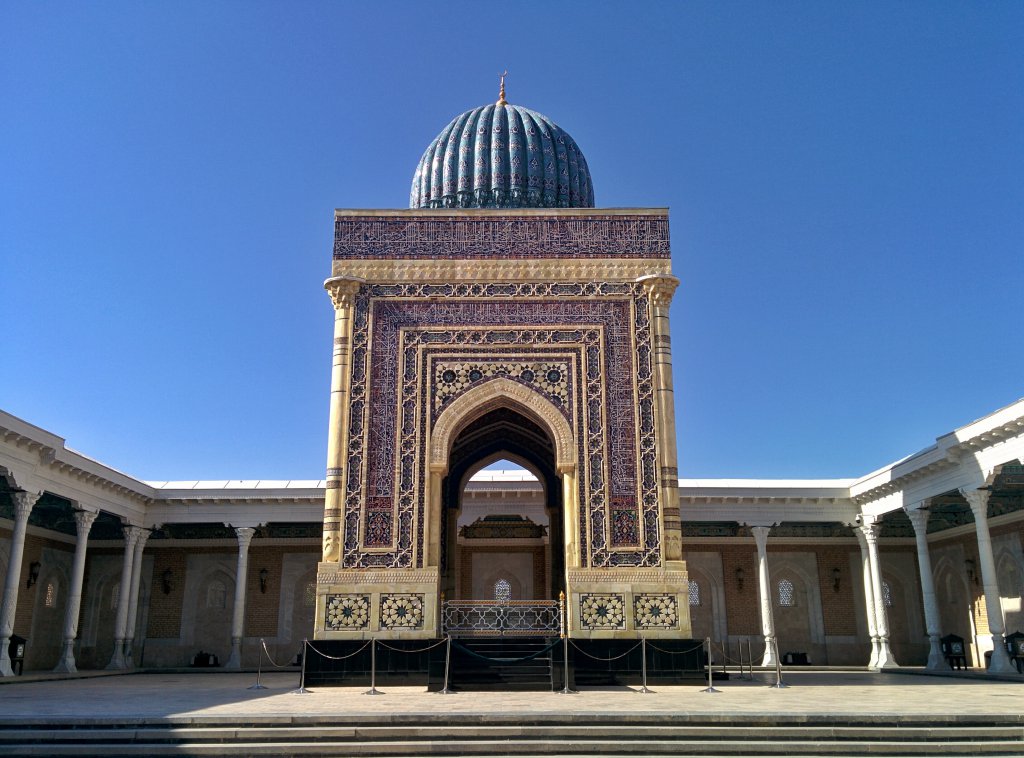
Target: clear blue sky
846,183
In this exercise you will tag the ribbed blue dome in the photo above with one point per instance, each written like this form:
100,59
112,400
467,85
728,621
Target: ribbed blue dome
502,156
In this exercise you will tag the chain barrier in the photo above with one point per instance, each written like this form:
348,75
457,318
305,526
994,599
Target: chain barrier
302,672
263,642
605,660
421,650
779,684
337,657
710,689
259,666
698,646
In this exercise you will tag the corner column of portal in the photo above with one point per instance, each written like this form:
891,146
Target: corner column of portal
659,292
764,594
919,519
23,504
978,500
83,523
343,295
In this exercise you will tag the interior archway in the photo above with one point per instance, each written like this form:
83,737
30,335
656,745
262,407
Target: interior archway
515,531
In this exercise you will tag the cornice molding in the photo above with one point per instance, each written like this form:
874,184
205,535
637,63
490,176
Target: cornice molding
514,270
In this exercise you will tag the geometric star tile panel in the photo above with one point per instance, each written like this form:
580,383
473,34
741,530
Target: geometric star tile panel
655,612
346,612
401,611
600,611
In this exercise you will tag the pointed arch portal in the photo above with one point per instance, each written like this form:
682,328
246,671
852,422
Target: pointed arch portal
502,419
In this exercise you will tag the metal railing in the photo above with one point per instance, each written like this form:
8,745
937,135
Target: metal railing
523,618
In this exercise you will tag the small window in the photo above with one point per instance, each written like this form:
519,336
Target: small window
886,594
694,591
115,596
502,591
787,597
216,595
309,595
50,601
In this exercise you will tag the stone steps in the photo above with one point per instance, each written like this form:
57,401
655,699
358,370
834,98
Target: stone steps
479,735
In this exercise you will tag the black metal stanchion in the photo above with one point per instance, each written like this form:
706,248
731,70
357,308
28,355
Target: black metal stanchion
643,668
447,664
710,689
373,669
302,674
259,669
565,645
779,684
750,659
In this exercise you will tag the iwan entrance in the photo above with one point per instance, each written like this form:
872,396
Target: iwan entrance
504,535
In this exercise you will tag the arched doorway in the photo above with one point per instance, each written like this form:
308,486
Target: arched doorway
517,536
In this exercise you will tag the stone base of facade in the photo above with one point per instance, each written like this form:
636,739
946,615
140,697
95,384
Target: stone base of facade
384,603
625,603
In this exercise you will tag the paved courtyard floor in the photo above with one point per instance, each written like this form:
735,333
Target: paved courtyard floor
214,696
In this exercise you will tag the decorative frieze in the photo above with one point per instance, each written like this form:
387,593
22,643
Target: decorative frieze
500,236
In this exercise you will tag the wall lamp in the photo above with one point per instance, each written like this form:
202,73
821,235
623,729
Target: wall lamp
971,573
165,581
739,578
836,576
33,573
263,580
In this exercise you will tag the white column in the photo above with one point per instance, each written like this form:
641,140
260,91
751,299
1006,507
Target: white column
83,523
131,536
244,534
978,500
919,518
133,600
764,594
869,596
885,658
23,503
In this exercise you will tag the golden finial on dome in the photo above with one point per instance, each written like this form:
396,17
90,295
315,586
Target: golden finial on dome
501,91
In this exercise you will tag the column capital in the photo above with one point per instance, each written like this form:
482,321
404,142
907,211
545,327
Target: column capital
660,288
760,536
24,502
132,534
918,517
343,291
870,530
244,535
977,499
83,520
